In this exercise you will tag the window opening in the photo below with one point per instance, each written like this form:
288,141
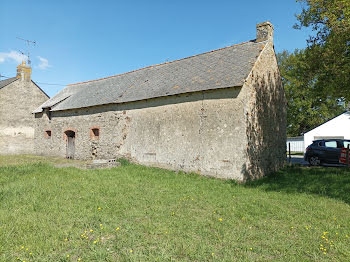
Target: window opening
48,133
95,133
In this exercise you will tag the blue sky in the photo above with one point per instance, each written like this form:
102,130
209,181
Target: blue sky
84,39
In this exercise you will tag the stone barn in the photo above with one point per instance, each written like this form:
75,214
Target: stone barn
220,113
19,96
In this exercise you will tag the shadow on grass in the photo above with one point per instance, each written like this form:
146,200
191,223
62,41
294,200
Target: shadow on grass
325,181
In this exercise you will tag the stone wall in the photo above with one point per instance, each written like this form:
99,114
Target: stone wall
235,133
265,117
202,132
17,102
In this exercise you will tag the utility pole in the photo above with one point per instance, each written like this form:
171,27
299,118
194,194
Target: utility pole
28,51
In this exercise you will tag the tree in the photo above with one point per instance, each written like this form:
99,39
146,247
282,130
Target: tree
317,79
328,51
307,107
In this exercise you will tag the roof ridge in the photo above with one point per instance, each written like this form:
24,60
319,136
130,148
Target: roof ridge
250,41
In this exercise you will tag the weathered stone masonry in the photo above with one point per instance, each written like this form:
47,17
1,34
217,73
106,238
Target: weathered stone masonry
236,132
187,132
266,117
19,96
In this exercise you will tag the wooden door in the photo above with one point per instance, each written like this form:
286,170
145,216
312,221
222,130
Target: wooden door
70,146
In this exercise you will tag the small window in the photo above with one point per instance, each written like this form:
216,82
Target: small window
47,133
95,133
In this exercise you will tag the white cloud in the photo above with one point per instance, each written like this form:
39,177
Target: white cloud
12,56
44,63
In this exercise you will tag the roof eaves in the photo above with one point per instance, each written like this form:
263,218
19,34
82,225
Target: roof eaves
131,101
43,106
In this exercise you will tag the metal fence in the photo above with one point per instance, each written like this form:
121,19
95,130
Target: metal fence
296,144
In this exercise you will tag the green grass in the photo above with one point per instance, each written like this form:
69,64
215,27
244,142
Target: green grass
11,160
295,153
168,216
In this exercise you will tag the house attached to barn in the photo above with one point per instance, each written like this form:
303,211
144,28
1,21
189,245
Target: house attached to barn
19,96
220,113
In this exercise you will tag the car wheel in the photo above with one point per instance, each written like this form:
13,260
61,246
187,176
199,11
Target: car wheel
314,161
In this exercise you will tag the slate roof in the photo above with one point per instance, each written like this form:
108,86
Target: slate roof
6,82
221,68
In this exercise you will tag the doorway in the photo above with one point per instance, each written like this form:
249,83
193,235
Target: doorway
70,144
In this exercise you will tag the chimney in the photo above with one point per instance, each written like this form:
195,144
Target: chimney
264,31
24,72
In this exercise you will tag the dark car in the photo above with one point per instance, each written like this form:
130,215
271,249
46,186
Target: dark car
325,151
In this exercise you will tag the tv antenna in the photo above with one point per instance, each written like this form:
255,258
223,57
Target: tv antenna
28,51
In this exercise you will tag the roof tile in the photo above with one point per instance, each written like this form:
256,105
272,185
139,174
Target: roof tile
6,82
221,68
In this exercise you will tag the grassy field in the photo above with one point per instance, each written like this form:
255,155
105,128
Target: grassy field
136,213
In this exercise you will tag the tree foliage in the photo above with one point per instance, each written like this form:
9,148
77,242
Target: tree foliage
328,51
317,79
307,107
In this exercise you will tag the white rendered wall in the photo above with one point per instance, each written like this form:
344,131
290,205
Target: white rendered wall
338,127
